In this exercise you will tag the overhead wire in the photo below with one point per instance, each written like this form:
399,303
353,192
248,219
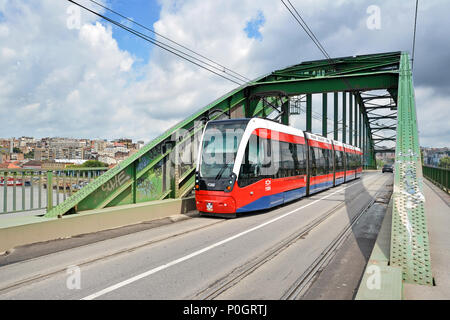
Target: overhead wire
297,16
414,36
170,40
163,46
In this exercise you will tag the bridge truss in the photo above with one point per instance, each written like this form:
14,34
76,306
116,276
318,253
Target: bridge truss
372,99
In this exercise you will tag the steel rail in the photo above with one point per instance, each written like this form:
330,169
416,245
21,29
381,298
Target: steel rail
299,288
236,275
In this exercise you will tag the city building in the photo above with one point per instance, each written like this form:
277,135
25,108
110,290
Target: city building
432,156
56,149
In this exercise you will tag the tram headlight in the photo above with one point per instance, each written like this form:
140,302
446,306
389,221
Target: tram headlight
197,186
231,182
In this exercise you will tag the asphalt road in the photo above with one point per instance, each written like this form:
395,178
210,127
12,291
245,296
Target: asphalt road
267,255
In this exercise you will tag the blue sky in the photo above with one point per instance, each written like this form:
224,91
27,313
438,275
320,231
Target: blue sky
145,12
253,25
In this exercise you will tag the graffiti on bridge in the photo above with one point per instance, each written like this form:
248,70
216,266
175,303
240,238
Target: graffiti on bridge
116,181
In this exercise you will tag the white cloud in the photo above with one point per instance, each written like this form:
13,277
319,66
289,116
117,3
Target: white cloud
89,87
4,31
8,53
433,117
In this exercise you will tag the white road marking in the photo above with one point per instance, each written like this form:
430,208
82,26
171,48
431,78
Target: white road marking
198,252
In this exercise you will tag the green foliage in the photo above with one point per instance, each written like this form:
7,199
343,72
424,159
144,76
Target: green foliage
444,162
29,155
89,164
16,150
94,164
380,163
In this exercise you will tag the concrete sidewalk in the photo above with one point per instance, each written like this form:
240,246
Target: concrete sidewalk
437,208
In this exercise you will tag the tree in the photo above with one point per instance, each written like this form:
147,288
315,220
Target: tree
29,155
444,162
94,164
89,164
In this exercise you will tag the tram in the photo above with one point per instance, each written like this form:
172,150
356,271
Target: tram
246,165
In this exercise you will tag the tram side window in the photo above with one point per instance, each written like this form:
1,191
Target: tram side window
339,160
352,161
321,163
301,157
318,161
293,149
287,160
252,162
326,160
312,162
349,161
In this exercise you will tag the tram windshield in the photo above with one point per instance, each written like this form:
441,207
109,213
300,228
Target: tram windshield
219,147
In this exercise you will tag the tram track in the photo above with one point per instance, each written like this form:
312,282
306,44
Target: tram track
85,262
227,282
299,288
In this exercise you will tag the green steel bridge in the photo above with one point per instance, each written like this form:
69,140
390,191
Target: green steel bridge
376,89
358,81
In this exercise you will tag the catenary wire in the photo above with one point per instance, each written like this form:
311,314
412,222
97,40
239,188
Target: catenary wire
244,78
155,42
414,36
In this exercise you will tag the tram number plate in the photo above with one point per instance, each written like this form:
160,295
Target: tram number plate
209,206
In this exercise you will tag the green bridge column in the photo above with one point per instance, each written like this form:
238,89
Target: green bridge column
250,107
309,112
363,136
350,119
364,144
336,129
372,154
344,113
286,114
360,127
356,122
324,114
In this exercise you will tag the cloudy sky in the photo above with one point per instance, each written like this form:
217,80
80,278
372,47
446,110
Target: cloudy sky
78,76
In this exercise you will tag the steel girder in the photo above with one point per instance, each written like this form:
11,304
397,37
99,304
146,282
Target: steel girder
410,248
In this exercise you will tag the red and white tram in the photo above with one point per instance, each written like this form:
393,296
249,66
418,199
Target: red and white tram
254,164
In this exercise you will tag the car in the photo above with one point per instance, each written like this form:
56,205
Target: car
387,168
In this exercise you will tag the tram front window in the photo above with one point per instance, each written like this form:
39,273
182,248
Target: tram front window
219,147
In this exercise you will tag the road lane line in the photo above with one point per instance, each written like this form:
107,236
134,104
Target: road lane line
198,252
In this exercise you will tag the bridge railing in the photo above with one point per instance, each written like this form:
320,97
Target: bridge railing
38,189
439,176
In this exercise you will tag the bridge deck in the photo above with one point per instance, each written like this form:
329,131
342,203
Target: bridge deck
269,255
